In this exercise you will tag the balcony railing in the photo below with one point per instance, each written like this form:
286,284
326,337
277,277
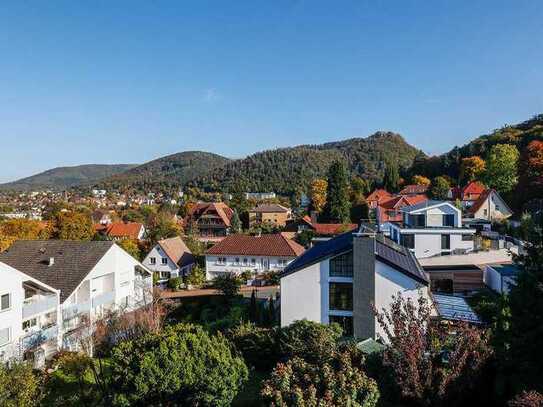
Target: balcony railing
37,305
104,298
73,310
39,337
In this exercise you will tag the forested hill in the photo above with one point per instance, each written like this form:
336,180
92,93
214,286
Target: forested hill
286,170
61,178
519,135
172,171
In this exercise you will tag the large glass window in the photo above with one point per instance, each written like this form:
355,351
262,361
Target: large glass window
342,265
445,242
418,221
341,296
407,241
448,220
346,323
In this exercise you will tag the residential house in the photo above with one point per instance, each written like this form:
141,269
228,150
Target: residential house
390,210
90,278
341,280
501,277
29,317
170,258
260,196
212,220
490,206
378,196
256,254
455,279
269,214
468,194
414,189
101,217
433,228
122,230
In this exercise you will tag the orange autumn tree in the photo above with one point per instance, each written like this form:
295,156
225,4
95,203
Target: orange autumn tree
22,229
472,168
420,180
531,171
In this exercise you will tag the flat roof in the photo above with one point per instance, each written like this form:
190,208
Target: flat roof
506,270
455,309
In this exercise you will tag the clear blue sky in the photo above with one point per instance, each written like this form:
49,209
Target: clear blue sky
123,82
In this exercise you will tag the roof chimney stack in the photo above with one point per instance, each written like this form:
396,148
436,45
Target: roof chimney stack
51,261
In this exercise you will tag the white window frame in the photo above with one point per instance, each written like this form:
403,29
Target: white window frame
164,261
152,261
9,300
9,336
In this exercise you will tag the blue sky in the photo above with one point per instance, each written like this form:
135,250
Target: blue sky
124,82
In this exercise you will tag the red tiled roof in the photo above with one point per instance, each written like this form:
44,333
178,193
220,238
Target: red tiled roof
480,201
270,208
333,228
474,188
397,203
379,195
177,251
414,189
265,245
124,230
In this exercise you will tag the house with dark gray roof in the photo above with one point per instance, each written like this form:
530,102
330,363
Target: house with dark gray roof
342,279
91,278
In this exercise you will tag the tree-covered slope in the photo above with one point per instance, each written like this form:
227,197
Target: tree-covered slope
65,177
166,172
286,170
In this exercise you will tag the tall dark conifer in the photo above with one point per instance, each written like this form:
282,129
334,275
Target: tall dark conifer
338,206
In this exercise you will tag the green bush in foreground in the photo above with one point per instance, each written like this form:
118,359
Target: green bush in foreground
19,386
182,365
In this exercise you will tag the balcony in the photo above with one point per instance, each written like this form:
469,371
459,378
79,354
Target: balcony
38,338
38,304
73,310
104,298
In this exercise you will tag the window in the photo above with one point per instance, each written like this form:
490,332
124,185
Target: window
467,237
445,242
417,220
164,261
448,220
341,296
346,323
245,261
5,336
407,241
485,212
5,302
237,260
253,262
152,260
221,260
29,323
342,265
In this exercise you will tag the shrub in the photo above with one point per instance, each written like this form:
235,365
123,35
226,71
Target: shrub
174,283
258,346
196,277
246,275
340,381
19,386
182,365
227,284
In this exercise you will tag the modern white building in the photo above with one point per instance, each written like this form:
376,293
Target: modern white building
340,281
88,279
433,228
256,254
501,277
29,317
170,258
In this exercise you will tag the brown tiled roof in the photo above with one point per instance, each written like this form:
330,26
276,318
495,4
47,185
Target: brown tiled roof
269,208
379,195
124,230
73,261
177,251
329,229
222,210
265,245
396,203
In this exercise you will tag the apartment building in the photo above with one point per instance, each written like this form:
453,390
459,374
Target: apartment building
88,278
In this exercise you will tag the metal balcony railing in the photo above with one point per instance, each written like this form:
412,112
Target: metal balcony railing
36,305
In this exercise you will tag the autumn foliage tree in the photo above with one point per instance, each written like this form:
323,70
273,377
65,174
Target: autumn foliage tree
531,171
317,194
429,365
472,168
72,225
22,229
420,180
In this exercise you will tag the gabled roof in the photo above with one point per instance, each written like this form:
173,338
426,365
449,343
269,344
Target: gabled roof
414,189
329,229
425,204
222,210
270,208
401,201
474,187
178,252
129,230
396,256
264,245
482,199
73,261
378,195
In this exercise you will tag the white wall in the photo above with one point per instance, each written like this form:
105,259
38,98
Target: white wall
213,268
304,295
159,254
389,282
12,283
493,212
428,242
434,215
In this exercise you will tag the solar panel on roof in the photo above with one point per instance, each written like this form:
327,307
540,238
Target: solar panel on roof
455,308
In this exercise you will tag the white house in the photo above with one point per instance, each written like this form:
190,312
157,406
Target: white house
433,228
490,206
90,278
170,258
256,254
29,317
501,277
340,281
